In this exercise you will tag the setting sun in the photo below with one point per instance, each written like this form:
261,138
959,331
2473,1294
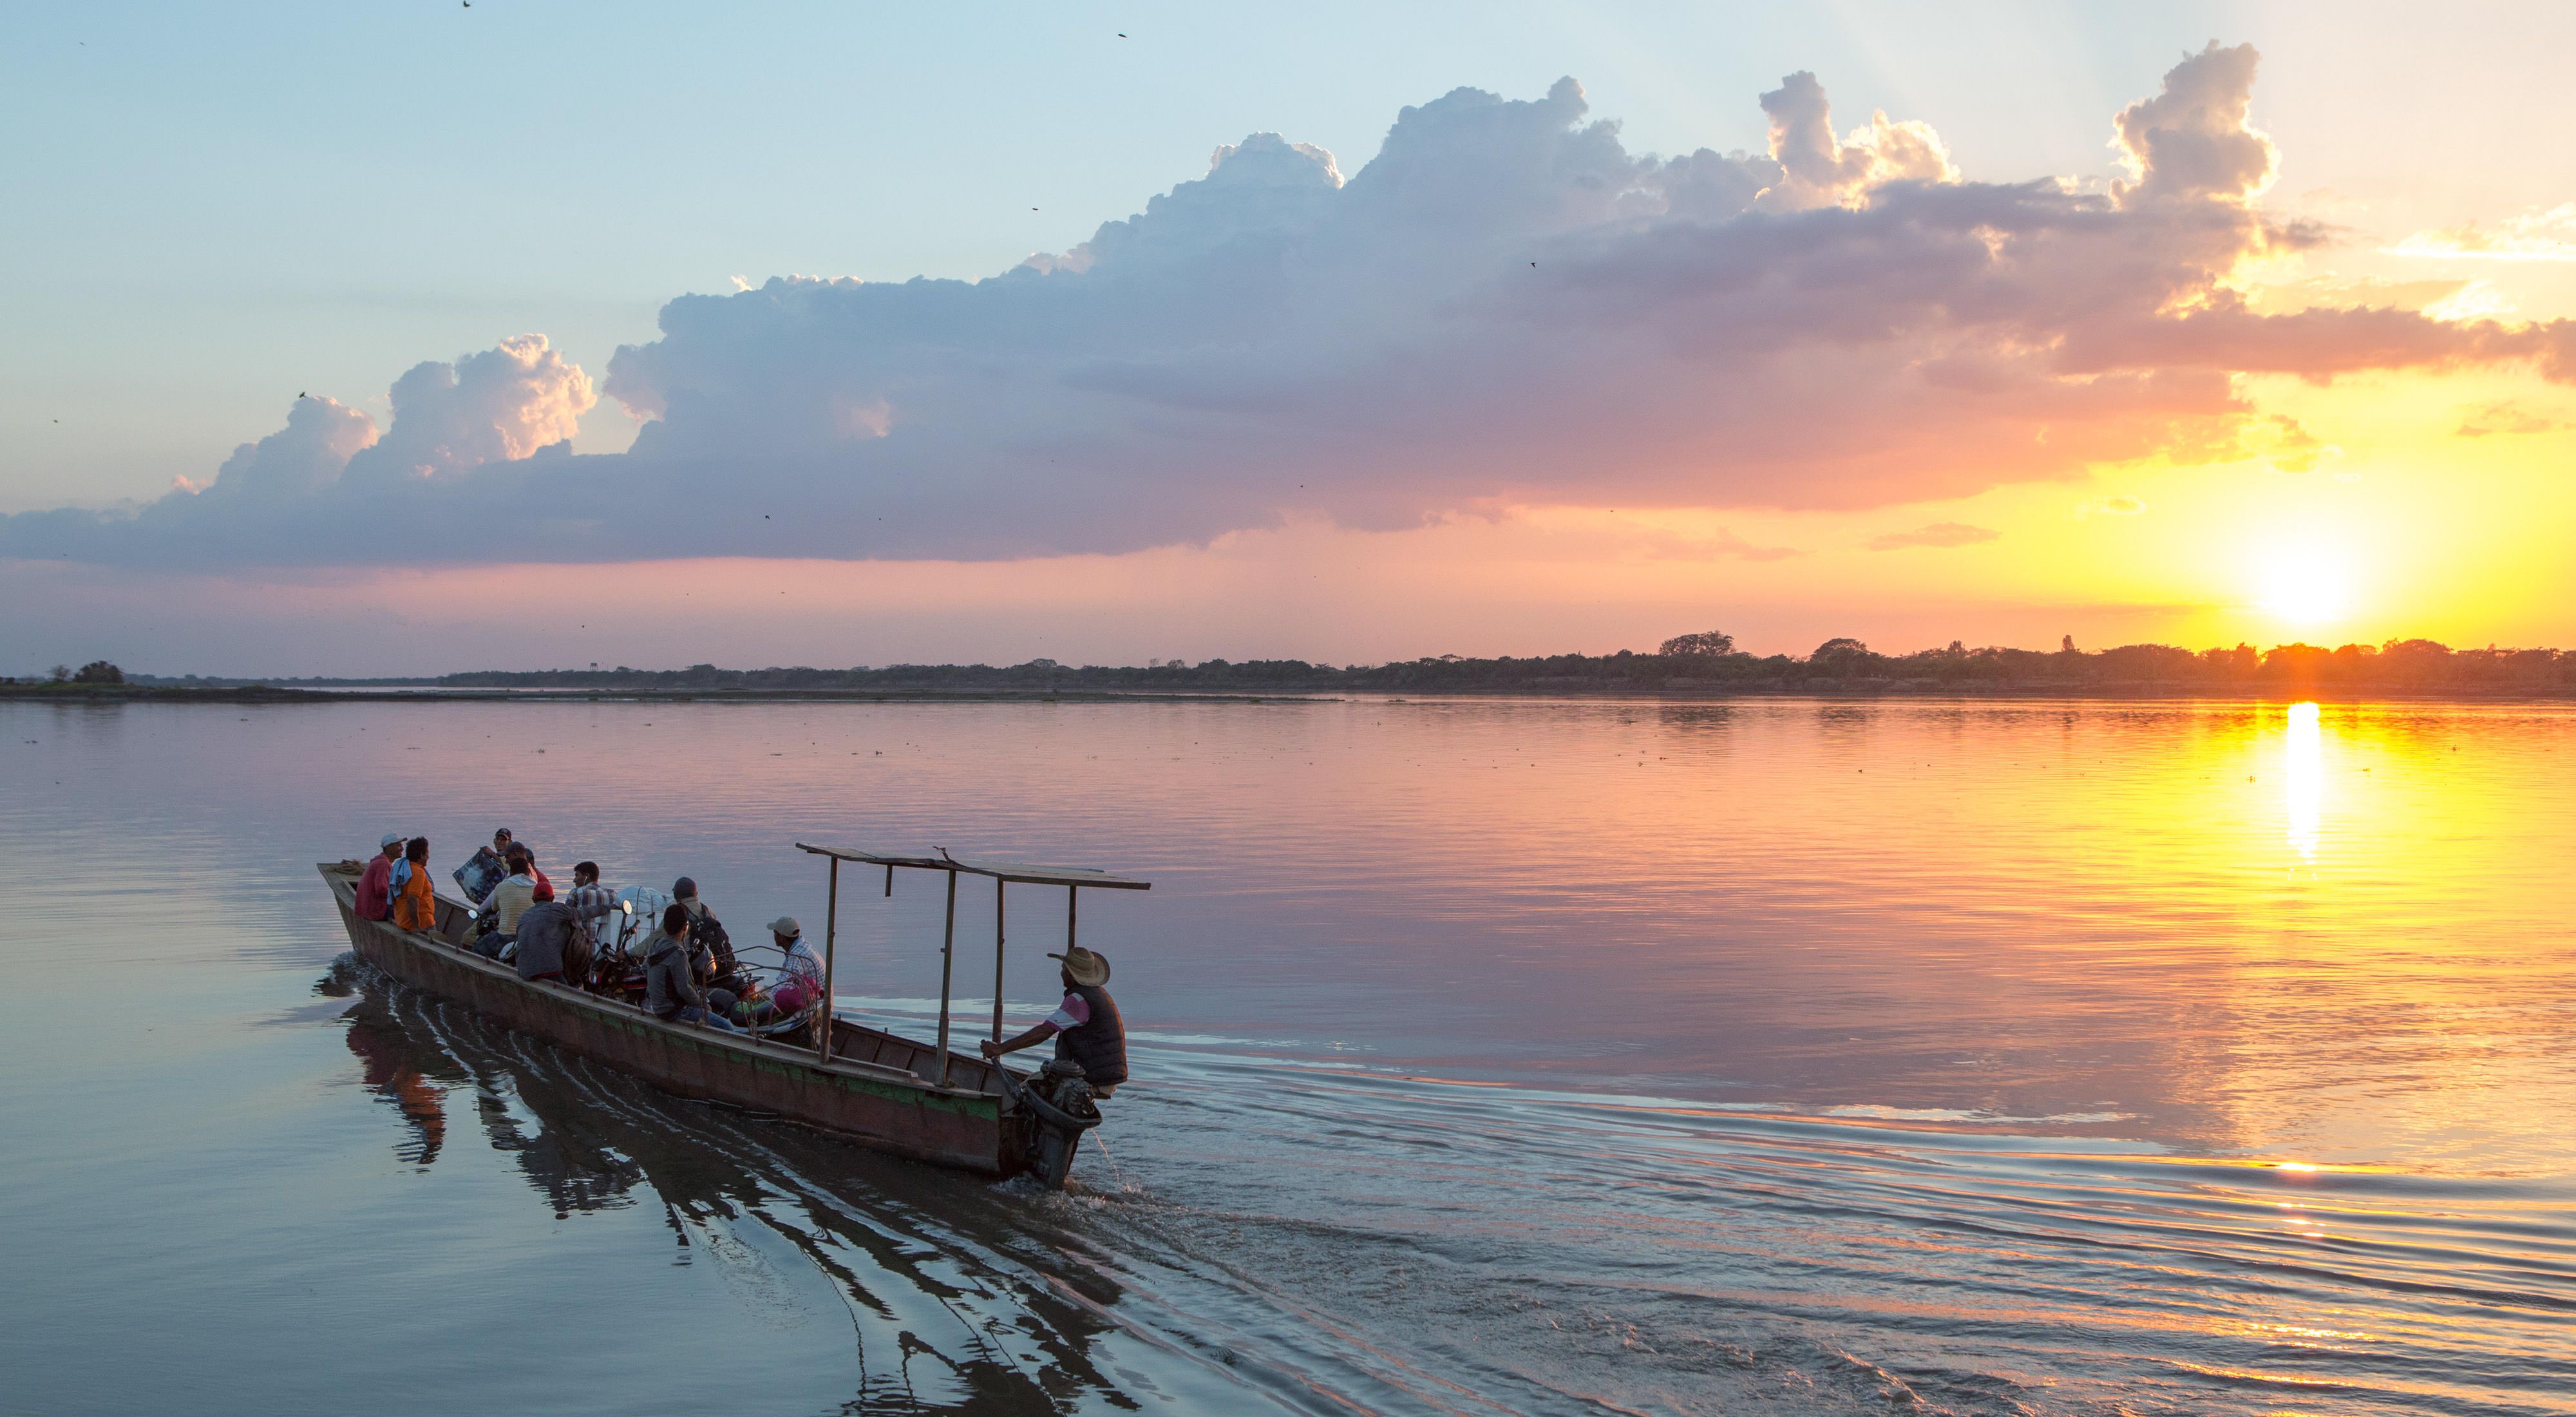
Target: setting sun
2306,585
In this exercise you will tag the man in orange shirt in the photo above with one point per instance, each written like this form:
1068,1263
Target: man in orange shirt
415,908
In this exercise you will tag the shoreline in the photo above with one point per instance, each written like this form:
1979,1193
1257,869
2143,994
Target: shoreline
265,694
2002,693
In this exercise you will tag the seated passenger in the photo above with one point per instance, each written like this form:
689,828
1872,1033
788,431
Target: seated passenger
546,931
708,934
722,1001
485,868
394,882
415,906
502,908
800,975
592,903
375,897
543,885
670,983
595,906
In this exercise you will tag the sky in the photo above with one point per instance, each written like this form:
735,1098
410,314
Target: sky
412,338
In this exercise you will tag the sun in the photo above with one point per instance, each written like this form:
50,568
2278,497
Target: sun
2306,584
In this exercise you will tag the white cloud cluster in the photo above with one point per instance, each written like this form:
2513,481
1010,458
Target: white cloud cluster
328,488
2531,236
1816,170
2194,141
298,461
504,403
1504,306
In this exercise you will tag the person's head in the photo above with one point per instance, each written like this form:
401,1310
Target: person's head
675,921
501,841
1083,967
517,859
684,889
784,930
541,894
418,850
391,846
585,873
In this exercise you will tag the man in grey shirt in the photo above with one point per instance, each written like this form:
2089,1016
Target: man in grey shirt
670,985
545,934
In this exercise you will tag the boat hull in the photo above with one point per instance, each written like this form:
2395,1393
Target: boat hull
878,1089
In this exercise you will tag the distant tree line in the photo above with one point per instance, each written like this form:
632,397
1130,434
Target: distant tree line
1707,662
97,671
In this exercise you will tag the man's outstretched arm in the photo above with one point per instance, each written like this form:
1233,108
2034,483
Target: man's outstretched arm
1038,1033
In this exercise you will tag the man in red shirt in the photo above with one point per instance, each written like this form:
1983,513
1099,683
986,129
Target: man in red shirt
375,900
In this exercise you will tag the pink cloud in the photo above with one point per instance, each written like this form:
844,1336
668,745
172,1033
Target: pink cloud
1505,305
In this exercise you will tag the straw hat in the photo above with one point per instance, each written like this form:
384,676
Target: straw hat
1084,966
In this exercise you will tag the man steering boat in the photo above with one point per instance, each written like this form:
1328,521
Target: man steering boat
1085,1027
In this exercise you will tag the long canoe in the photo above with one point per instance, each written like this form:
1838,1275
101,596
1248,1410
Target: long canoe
877,1088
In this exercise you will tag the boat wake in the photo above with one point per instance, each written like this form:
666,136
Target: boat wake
1264,1230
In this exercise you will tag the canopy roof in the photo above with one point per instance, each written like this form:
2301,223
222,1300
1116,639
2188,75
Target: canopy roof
939,860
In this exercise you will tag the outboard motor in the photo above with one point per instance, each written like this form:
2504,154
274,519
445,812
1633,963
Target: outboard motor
1060,1110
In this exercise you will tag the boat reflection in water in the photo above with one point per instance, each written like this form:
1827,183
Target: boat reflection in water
413,1080
930,1269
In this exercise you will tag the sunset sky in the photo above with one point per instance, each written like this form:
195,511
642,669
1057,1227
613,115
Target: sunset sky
350,340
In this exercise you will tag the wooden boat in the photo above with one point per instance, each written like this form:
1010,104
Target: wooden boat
875,1087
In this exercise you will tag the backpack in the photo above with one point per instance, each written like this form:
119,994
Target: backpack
707,930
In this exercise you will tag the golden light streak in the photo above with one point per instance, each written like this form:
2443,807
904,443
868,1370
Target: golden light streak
2304,771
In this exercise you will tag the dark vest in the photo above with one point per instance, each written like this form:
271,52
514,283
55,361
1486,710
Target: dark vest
1100,1045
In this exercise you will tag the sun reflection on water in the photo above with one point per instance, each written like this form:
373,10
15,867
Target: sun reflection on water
2304,770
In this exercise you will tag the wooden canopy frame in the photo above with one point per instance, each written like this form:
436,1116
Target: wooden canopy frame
1002,873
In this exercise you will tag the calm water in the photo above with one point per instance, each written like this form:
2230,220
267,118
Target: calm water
1494,1058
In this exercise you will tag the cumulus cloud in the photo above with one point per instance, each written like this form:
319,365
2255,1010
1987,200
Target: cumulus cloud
1816,170
2122,505
297,461
1937,534
502,404
2193,141
1504,307
328,488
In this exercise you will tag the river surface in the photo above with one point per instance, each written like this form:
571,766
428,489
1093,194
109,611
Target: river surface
1492,1057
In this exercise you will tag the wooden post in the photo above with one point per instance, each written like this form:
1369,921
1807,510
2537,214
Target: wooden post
1072,903
889,883
831,922
947,957
999,885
